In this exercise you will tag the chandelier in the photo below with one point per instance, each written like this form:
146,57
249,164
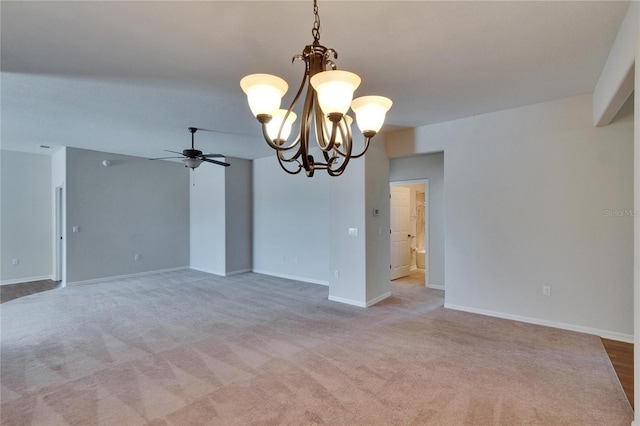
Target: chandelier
329,95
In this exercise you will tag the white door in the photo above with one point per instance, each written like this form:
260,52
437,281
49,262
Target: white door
400,243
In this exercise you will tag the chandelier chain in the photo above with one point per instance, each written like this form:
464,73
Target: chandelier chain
315,32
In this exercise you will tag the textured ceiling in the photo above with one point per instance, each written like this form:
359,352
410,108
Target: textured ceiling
130,77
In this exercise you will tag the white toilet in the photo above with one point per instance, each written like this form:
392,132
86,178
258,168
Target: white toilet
420,259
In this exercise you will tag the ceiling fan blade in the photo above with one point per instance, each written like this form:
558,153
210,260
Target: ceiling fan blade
213,155
163,158
223,132
216,162
175,152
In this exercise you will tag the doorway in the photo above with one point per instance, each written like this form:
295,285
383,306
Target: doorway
409,239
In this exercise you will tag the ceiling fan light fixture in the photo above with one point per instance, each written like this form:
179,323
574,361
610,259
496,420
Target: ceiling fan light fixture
192,163
193,157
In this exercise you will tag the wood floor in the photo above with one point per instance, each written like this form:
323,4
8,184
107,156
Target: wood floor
621,356
620,353
415,277
13,291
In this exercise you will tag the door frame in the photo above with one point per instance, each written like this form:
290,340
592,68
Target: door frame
427,230
58,247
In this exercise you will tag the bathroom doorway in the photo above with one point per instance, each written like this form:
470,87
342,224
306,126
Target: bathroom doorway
409,238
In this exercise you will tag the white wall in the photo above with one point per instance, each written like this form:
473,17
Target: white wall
378,248
636,227
348,254
26,211
636,230
207,219
301,226
537,196
290,223
239,215
136,206
429,166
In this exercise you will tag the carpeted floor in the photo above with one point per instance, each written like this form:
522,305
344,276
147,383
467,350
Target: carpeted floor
188,348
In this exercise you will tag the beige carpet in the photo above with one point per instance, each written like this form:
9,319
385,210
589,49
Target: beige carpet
188,348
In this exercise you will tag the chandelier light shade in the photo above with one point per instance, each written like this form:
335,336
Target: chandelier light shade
327,99
275,129
264,92
370,112
335,90
342,130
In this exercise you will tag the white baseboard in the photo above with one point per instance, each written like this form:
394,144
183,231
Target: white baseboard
221,274
621,337
435,286
238,272
207,271
348,301
291,277
119,277
378,299
359,304
26,280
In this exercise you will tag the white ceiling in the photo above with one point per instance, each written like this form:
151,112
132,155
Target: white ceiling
130,77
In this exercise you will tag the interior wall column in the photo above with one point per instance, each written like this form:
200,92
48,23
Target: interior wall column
636,232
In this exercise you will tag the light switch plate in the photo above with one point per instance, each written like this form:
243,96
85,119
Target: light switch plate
353,232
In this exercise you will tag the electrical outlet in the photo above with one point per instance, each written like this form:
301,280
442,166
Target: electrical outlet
15,262
546,290
336,274
136,257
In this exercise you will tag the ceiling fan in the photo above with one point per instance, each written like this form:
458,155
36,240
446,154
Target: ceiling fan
194,157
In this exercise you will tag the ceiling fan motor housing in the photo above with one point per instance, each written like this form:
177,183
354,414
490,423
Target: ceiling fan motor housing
191,153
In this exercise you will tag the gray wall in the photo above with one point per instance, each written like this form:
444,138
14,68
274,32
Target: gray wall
536,196
26,224
239,215
430,166
136,206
